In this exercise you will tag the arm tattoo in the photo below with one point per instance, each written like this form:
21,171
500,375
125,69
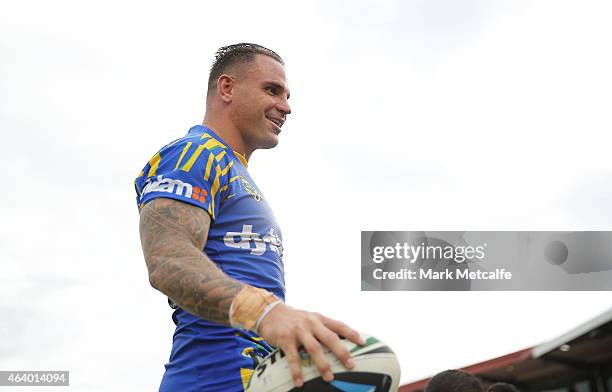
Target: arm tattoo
173,235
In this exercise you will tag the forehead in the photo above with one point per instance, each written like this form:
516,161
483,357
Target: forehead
265,69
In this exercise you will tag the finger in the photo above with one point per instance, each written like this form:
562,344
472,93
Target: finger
343,330
295,367
314,348
333,342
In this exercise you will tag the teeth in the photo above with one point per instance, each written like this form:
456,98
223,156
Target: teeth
275,121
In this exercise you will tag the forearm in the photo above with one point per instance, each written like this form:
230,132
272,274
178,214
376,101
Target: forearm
197,285
173,235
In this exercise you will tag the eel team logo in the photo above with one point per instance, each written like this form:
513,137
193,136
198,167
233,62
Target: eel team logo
254,241
251,190
178,187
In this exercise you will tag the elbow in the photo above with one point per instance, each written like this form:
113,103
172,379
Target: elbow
157,282
156,279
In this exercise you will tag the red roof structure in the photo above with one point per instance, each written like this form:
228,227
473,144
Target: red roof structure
580,360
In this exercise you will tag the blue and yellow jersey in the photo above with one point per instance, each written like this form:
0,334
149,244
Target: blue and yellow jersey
244,240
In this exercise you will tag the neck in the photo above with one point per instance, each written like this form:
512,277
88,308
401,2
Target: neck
228,132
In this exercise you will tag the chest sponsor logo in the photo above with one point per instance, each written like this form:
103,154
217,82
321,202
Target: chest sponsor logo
255,242
177,187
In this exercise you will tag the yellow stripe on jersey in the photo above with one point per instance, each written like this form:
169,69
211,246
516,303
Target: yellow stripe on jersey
218,157
246,375
137,188
224,188
242,159
215,187
207,135
234,179
187,166
208,167
182,155
154,164
226,168
212,143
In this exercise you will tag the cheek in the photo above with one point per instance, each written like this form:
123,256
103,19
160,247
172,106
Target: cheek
242,109
249,110
248,116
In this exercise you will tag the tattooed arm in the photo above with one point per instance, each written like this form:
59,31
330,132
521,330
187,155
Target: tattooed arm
173,235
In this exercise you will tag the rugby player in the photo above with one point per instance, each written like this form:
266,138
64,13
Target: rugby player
212,245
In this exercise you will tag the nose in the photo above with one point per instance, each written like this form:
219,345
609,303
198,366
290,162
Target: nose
283,106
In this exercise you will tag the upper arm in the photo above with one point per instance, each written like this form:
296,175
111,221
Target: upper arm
178,192
171,229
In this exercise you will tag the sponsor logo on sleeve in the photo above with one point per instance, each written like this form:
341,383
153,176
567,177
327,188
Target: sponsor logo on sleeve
177,187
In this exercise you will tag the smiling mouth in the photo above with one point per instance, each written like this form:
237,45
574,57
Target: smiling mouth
276,121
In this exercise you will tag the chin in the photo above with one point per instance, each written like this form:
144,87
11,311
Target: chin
269,143
265,141
269,138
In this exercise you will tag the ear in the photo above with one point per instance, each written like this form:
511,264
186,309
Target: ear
225,87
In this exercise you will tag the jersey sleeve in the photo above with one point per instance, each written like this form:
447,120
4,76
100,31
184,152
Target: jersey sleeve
190,172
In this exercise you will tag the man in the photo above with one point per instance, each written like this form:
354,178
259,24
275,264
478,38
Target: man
454,381
212,245
502,387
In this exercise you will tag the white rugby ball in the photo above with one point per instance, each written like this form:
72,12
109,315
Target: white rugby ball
376,370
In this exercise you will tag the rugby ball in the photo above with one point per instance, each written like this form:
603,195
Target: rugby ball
376,370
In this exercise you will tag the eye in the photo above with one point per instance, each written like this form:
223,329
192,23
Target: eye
272,90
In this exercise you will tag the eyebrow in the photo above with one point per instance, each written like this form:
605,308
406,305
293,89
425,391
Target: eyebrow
280,87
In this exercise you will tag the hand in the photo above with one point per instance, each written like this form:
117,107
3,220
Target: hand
289,329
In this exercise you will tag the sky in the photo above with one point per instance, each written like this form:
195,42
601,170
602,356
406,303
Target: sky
407,115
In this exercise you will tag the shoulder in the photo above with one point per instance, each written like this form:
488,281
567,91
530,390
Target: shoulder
192,169
196,152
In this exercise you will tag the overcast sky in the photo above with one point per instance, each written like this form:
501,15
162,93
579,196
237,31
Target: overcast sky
413,115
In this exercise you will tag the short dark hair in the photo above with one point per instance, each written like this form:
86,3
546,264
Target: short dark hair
502,387
230,55
454,381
